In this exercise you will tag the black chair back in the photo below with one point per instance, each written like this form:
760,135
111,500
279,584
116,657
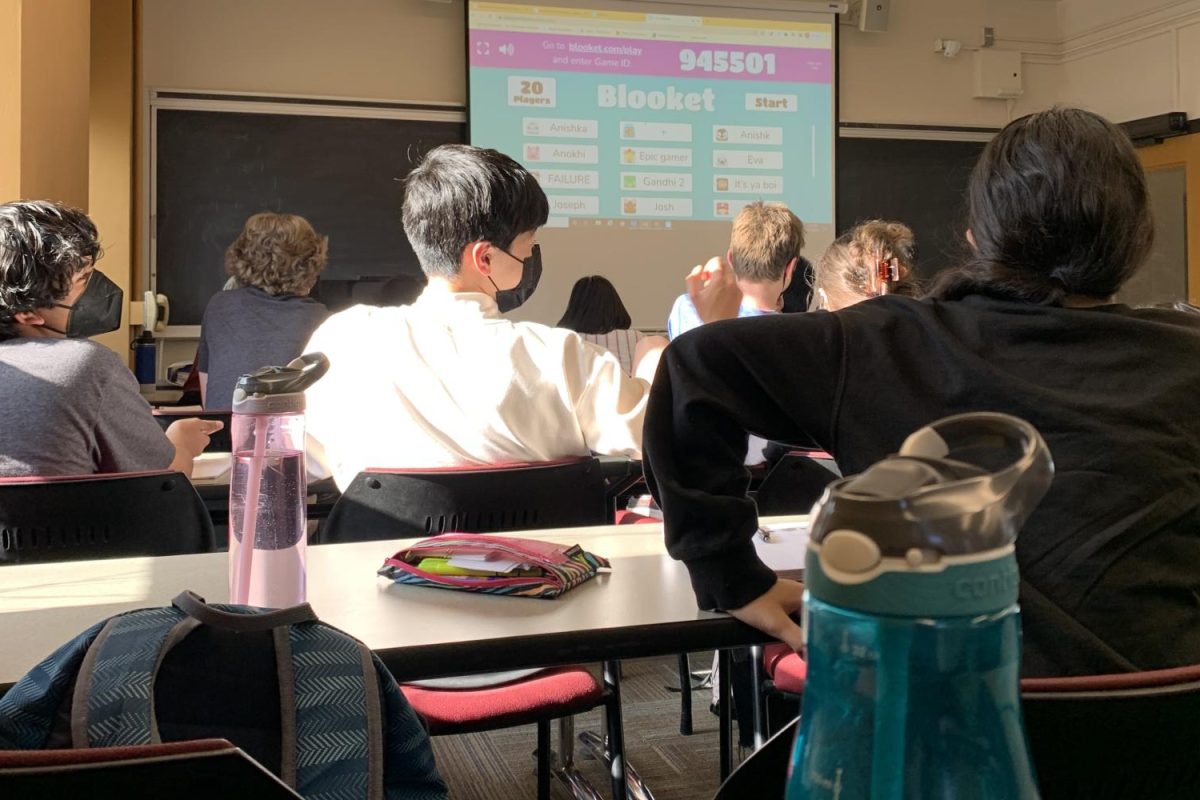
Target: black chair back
1106,737
101,516
795,483
763,775
400,504
1126,736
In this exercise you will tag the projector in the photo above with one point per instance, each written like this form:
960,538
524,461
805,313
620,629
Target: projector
1152,130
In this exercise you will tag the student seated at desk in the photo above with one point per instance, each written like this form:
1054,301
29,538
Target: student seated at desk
764,249
68,406
1059,220
871,259
448,381
266,318
596,313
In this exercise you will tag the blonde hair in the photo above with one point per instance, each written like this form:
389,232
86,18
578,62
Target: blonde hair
766,237
850,269
278,253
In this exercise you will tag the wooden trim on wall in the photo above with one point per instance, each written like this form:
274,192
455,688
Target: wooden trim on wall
1183,151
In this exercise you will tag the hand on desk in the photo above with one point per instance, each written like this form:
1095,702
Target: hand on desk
772,612
190,437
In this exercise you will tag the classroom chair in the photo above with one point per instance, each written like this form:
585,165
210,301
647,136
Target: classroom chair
409,503
555,694
762,776
1126,736
192,770
1130,736
101,516
795,483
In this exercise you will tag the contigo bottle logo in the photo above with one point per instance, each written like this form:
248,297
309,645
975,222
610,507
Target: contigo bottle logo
986,587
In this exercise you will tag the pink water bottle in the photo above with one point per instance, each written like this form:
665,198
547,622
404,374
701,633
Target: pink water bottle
267,517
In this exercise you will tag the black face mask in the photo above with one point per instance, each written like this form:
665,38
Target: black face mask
531,273
97,311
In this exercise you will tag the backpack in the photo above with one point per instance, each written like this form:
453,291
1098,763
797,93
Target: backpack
309,702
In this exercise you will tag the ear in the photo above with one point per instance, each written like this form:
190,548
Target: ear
28,318
971,239
729,256
478,256
789,271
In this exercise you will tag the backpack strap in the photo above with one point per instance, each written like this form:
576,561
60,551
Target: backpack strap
114,691
338,715
409,769
28,710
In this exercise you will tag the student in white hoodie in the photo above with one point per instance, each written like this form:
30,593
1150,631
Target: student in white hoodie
447,380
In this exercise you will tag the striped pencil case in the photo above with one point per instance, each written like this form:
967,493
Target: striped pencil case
546,569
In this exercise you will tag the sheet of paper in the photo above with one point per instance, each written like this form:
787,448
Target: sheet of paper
784,549
482,562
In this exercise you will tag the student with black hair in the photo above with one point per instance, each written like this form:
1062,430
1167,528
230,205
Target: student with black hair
596,313
447,380
68,406
1059,220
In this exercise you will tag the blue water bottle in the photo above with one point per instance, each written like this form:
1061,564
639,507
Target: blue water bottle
913,632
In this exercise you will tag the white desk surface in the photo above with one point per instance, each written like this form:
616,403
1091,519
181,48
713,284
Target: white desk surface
644,607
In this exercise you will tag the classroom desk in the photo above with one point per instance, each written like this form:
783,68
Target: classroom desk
644,607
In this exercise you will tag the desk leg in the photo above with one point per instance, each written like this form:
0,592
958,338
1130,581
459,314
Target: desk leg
616,731
756,692
724,704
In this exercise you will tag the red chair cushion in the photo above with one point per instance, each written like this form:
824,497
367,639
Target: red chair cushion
626,517
789,673
548,695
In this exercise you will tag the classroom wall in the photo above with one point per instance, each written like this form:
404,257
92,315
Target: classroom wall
414,50
1128,59
110,149
44,51
897,77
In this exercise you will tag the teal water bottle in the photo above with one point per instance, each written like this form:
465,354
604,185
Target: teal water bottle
913,632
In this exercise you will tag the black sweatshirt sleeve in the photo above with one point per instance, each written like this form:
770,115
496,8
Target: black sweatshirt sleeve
776,377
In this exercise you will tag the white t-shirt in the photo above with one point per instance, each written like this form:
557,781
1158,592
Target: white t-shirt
446,381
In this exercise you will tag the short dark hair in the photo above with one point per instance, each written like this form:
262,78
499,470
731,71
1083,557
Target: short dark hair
43,246
461,194
595,307
1058,207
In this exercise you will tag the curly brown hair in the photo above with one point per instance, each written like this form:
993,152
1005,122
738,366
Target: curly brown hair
849,269
278,253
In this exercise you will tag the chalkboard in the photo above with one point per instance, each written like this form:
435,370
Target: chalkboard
918,182
216,168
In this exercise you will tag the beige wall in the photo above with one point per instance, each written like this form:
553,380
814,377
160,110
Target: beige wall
897,77
44,48
110,162
10,99
414,50
1131,58
377,49
55,52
